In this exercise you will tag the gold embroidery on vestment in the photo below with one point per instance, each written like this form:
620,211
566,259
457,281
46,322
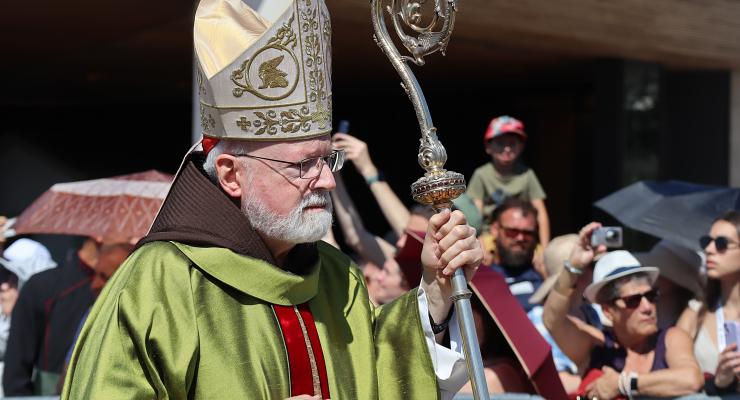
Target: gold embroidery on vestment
311,355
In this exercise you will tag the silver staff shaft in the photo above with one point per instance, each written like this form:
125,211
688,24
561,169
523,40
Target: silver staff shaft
438,187
474,362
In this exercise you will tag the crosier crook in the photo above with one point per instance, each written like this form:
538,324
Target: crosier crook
438,187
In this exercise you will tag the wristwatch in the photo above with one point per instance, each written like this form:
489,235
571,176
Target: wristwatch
633,385
439,328
376,178
573,270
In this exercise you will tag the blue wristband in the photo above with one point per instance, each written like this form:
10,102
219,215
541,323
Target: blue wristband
377,178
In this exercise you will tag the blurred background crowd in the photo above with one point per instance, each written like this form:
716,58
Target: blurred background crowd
557,113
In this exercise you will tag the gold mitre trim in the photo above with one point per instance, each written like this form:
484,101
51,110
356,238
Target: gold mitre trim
259,80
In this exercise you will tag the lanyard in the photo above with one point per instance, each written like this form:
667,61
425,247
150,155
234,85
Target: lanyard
719,316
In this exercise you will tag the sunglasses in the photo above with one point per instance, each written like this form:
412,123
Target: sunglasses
721,243
513,233
634,300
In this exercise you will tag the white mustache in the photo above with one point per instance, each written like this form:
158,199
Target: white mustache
316,199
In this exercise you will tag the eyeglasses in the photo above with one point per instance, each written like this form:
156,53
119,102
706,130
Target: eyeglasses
634,300
721,243
513,233
311,167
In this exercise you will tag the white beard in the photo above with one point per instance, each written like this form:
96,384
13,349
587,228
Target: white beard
296,227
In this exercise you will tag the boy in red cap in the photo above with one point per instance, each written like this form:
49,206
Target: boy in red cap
505,176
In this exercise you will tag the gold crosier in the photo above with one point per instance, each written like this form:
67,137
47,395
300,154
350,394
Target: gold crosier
438,187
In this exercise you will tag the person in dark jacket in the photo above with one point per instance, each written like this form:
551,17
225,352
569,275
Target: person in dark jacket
45,318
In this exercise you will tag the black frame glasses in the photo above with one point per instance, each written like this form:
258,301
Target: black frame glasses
633,301
721,243
309,168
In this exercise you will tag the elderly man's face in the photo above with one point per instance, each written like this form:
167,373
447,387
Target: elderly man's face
279,203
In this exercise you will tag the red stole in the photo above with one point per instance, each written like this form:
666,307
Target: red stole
532,351
307,368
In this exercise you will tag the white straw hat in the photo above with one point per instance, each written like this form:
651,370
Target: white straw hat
613,266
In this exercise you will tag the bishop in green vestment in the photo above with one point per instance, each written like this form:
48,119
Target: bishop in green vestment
232,294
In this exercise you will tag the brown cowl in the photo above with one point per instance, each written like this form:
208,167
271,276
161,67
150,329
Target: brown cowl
198,213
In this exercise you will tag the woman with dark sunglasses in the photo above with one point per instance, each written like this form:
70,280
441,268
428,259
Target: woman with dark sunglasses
716,348
632,357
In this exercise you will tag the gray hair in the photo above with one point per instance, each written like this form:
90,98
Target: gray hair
222,147
610,291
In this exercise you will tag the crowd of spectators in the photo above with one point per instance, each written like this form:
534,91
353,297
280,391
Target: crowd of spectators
618,323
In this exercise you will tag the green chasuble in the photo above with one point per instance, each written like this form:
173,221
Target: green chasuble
180,322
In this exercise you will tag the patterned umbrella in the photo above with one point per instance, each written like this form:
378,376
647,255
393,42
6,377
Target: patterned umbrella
120,208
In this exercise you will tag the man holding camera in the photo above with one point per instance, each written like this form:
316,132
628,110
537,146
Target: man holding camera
633,357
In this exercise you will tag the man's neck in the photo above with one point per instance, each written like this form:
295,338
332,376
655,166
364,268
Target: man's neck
514,271
278,248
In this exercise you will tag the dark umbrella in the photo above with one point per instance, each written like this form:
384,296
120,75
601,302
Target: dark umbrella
674,210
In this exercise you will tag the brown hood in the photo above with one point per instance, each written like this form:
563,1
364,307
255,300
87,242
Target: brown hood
198,213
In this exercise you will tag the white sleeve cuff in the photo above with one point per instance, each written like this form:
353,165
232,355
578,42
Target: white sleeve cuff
449,364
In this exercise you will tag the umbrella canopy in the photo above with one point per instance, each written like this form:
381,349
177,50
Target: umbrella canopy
673,210
120,208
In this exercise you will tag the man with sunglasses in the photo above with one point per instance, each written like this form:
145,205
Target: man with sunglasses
633,357
232,294
516,230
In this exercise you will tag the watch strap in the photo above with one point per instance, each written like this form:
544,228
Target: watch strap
439,328
573,270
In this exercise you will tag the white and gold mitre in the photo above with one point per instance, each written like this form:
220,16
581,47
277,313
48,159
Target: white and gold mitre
259,80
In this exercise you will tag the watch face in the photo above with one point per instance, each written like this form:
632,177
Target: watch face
633,384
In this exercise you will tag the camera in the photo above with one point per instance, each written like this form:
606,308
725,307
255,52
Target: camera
732,332
609,236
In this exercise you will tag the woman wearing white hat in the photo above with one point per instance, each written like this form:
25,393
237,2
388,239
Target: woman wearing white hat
708,322
633,357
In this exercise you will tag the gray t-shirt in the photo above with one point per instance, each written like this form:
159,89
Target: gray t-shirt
492,188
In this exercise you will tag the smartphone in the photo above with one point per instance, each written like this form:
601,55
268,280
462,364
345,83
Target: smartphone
343,126
609,236
732,332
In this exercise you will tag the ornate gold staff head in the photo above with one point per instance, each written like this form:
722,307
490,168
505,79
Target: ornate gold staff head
438,187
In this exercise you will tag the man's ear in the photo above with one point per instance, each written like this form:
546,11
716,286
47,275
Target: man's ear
227,170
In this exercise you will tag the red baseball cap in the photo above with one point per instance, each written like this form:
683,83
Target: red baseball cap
504,124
